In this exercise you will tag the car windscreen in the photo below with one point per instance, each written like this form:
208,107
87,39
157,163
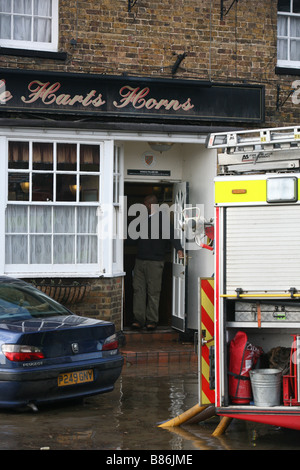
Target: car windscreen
23,301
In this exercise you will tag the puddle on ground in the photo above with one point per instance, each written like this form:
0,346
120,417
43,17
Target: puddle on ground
128,418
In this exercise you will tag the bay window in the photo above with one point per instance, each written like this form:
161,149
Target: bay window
61,210
51,218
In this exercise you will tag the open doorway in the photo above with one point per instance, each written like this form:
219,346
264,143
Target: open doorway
136,193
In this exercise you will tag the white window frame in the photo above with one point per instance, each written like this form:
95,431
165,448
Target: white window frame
39,46
288,63
105,217
118,209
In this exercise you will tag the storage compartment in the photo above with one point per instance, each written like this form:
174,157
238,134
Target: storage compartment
267,312
263,349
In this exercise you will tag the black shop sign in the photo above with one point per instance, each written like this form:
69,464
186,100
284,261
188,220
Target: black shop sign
130,97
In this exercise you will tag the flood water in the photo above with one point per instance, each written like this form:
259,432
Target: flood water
127,420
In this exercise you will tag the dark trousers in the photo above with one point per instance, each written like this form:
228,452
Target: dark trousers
147,278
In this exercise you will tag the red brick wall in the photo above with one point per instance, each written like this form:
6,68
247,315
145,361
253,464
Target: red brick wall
104,301
99,298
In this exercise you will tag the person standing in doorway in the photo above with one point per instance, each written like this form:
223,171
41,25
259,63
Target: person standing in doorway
149,265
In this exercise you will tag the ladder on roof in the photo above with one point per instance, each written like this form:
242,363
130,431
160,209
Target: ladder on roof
271,137
260,149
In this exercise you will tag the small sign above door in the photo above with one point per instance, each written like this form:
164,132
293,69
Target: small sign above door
149,172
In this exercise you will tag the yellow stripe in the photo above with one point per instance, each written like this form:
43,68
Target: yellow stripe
205,369
207,306
255,191
204,399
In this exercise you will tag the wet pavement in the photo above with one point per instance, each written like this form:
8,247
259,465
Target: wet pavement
127,420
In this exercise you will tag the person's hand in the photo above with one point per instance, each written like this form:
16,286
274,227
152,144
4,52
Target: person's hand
180,254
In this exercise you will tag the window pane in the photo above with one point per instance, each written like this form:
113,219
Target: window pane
284,5
86,249
5,5
296,6
89,188
22,28
40,249
22,6
67,157
89,157
295,50
64,219
42,8
87,220
18,187
42,187
16,249
16,219
66,188
42,30
282,49
295,27
64,249
5,27
18,155
282,29
116,189
115,232
42,156
40,219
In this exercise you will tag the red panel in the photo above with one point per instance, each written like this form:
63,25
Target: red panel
291,421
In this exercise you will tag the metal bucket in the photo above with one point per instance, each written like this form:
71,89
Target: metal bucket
266,386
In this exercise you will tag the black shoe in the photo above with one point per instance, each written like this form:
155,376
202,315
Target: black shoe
151,326
136,325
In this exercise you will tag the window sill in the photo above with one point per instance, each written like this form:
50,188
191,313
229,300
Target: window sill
287,71
32,53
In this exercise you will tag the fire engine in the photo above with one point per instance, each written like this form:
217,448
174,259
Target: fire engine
257,276
249,327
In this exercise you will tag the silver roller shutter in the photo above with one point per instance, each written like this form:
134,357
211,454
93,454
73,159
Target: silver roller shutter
262,248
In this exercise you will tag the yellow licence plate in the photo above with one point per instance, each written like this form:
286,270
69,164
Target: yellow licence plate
73,378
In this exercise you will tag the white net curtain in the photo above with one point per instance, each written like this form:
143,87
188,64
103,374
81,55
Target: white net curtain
288,31
40,228
26,20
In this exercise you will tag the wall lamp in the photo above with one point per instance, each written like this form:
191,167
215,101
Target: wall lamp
160,146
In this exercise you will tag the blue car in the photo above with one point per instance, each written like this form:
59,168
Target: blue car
49,354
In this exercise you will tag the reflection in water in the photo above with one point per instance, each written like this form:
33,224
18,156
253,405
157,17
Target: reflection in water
128,417
202,442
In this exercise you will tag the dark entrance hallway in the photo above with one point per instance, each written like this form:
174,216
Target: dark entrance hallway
135,193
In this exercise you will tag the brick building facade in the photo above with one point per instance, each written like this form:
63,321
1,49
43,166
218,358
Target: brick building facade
235,43
239,45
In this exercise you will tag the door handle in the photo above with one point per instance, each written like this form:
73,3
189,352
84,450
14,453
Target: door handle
205,341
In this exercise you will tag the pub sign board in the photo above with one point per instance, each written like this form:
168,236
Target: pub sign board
129,97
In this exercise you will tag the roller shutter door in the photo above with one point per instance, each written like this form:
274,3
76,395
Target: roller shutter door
262,249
